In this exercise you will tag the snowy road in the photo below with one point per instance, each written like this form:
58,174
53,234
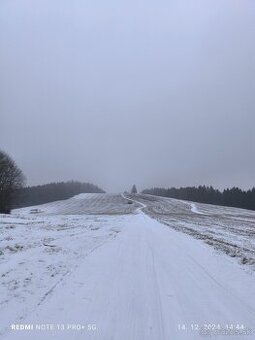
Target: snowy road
148,282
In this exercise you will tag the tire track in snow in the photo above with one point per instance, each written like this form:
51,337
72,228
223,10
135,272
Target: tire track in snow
146,283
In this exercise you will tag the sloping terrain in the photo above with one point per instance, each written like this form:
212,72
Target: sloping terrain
230,230
120,275
89,204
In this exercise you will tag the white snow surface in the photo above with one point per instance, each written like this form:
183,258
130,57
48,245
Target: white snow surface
194,209
121,276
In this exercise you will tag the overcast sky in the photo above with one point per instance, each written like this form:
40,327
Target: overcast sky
157,93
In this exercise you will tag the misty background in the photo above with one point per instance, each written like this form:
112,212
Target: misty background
157,93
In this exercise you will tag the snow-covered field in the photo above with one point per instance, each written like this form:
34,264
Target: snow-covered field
97,267
95,204
229,230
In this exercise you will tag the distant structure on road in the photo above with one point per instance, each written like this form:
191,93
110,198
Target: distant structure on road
134,190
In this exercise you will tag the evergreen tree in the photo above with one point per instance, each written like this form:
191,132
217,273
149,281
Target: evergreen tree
234,197
40,194
134,190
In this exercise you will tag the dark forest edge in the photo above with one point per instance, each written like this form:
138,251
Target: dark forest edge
233,197
40,194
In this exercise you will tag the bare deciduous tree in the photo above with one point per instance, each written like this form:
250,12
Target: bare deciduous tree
11,179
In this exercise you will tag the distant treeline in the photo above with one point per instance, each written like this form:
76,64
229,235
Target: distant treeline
234,197
40,194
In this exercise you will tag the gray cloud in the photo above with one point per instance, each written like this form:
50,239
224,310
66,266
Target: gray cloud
156,93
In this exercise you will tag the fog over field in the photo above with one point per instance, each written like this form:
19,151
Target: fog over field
147,92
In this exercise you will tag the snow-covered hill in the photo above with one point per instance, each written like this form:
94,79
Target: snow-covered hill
230,230
97,267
